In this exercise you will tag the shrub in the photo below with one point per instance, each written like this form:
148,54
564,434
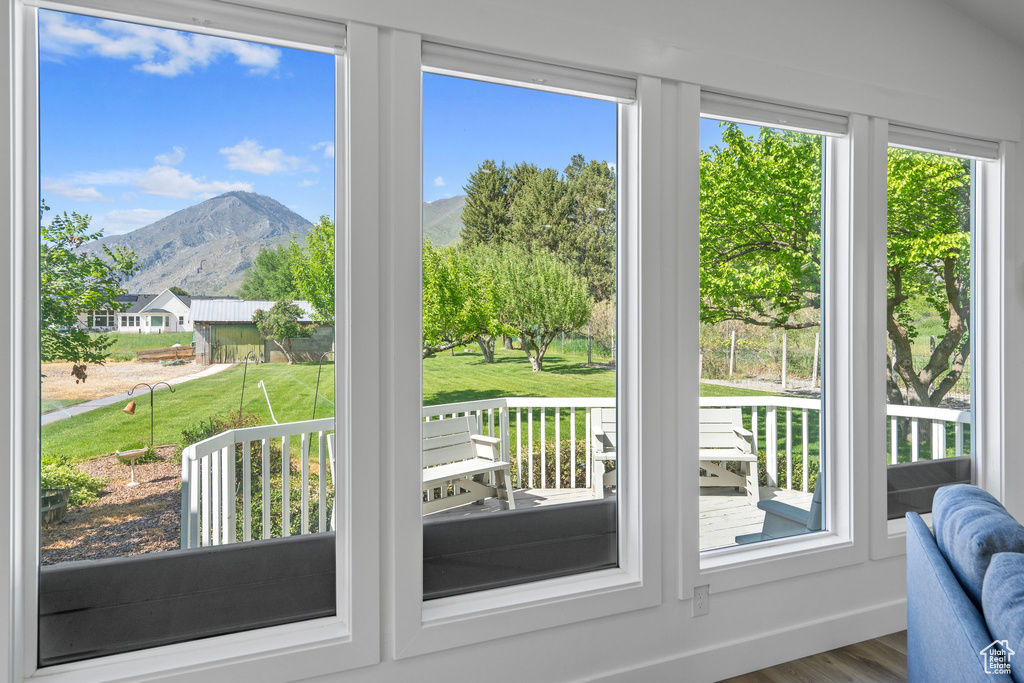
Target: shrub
780,475
59,472
521,480
214,425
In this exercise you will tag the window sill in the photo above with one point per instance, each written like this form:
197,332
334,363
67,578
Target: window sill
766,561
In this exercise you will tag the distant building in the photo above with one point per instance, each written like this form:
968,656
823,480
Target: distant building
225,333
143,313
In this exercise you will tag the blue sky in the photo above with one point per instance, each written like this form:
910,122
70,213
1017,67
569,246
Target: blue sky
138,122
466,122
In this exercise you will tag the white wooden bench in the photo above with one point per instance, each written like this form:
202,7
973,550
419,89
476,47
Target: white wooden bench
605,446
454,453
724,439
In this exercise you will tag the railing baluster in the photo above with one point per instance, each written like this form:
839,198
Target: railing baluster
321,477
572,445
771,439
914,441
519,447
789,448
530,452
215,488
286,485
894,441
959,438
543,448
305,483
753,428
207,502
807,451
265,482
227,480
938,439
558,447
247,491
588,446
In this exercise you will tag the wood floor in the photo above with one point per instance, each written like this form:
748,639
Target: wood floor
873,661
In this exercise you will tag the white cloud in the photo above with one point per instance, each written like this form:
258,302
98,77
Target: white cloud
126,220
308,182
160,180
249,155
165,181
71,190
439,182
157,51
172,159
328,149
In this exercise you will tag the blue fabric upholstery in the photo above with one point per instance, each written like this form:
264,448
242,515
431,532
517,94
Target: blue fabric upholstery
1002,598
945,631
970,527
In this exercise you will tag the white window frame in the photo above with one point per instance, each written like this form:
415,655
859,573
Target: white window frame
993,162
843,305
429,626
306,649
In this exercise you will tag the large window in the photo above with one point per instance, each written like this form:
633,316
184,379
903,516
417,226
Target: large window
929,323
181,503
520,330
762,228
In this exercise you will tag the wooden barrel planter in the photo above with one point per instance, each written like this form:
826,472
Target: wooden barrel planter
54,505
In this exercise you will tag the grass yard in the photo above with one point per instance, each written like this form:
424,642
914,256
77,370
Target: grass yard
126,344
101,431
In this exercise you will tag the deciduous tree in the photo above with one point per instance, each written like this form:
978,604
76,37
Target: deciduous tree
270,276
72,282
281,325
313,270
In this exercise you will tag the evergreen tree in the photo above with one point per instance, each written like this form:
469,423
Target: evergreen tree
486,218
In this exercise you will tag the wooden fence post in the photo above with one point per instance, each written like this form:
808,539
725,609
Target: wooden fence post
732,353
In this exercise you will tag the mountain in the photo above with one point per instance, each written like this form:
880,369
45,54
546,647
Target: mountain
442,220
206,249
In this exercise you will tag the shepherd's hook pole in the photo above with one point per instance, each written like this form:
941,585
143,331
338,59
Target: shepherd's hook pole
245,371
152,388
321,367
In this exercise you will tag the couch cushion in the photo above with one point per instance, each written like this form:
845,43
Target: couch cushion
1002,600
971,526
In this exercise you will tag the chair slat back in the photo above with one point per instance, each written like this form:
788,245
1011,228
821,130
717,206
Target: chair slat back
448,440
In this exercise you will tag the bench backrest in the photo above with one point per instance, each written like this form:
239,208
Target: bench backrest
721,428
448,440
604,420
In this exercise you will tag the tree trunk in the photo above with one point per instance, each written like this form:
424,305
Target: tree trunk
486,345
286,351
508,342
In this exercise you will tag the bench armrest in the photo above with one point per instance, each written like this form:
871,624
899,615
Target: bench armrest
486,446
743,432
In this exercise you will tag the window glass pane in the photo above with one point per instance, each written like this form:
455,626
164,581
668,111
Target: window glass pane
928,321
187,483
519,335
761,232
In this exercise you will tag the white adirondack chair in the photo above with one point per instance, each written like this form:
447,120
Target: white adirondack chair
605,443
454,453
724,439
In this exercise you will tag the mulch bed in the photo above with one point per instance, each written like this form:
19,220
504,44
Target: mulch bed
126,520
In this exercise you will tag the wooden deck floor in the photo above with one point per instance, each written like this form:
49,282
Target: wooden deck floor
724,513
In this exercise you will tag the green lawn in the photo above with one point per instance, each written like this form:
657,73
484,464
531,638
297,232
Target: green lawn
101,431
126,344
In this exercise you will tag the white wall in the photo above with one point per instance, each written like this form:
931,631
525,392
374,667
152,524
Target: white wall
912,61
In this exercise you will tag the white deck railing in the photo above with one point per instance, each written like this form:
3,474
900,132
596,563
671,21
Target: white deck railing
211,482
534,434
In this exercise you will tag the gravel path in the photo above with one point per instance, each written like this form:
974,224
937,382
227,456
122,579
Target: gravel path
126,520
106,380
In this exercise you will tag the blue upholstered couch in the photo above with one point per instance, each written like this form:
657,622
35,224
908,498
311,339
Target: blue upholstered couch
965,590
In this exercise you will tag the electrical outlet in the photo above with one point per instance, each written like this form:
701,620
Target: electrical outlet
700,601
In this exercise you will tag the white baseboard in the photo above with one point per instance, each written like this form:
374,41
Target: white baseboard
770,648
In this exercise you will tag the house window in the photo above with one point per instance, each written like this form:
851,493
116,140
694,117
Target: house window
249,510
181,320
522,288
102,319
930,304
763,191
